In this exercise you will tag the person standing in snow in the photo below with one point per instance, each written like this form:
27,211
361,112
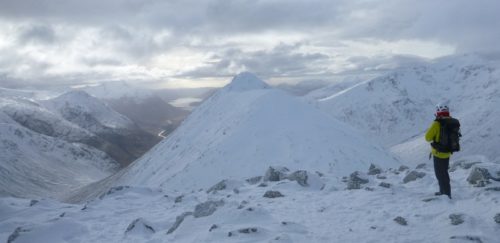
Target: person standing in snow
443,135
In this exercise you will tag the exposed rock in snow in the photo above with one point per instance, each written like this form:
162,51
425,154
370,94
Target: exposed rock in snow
479,177
413,176
178,221
356,179
456,219
254,180
400,220
467,238
17,232
385,184
207,208
403,168
273,194
421,166
463,164
374,170
497,218
276,173
140,226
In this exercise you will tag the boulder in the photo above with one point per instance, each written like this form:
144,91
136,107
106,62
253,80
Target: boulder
403,168
497,218
385,184
356,179
462,164
306,179
374,170
456,219
207,208
273,194
421,166
299,176
479,177
276,173
413,176
400,220
254,180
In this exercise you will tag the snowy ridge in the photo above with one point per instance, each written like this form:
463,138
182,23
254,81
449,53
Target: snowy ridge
81,108
243,129
37,118
244,82
117,90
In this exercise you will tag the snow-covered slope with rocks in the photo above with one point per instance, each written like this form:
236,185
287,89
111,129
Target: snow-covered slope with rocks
398,107
244,128
392,206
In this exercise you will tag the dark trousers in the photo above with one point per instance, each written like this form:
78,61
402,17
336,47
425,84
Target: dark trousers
441,170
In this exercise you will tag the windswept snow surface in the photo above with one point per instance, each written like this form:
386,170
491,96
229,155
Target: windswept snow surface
243,129
240,213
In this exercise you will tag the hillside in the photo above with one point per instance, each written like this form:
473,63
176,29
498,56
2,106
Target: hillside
398,107
244,128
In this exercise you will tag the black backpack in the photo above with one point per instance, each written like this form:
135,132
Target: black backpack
449,136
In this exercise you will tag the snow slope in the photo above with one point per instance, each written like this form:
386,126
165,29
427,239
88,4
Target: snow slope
244,128
240,213
397,108
36,165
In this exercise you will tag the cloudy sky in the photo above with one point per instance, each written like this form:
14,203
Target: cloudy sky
189,43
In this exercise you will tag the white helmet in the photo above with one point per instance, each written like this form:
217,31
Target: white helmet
442,111
441,108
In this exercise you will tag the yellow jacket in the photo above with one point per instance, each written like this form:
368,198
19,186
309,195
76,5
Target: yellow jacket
432,135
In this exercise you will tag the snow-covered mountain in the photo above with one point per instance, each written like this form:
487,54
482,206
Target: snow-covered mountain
112,132
322,186
36,117
54,145
398,107
245,128
87,112
143,106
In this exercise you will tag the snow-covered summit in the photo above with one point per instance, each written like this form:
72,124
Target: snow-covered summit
85,110
246,81
240,134
117,90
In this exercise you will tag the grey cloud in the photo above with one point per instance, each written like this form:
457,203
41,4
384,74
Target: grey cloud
130,30
39,34
281,61
381,63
